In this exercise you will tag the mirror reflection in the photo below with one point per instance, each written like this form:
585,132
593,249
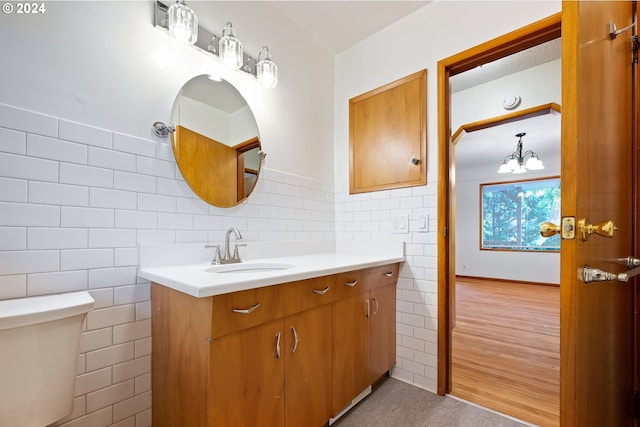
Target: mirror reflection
216,141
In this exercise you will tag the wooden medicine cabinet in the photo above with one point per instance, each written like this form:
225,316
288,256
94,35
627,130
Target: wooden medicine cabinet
388,136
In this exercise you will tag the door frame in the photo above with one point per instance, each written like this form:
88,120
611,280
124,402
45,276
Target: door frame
531,35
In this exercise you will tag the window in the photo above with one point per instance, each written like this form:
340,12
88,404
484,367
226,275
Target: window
511,214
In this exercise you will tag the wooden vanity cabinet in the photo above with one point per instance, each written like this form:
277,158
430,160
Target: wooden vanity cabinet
364,331
271,376
350,350
382,327
245,378
277,364
308,368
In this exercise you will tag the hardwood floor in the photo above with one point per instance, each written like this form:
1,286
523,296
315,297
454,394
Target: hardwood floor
506,348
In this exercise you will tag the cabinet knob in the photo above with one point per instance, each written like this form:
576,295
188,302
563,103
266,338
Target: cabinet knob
415,161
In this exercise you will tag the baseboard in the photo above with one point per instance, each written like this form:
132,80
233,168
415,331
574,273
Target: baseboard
520,282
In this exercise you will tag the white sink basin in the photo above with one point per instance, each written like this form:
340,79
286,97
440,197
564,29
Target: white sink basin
249,267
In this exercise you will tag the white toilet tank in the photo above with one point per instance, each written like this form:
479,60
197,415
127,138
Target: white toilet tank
39,340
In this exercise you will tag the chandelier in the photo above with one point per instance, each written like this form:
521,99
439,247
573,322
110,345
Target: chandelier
520,162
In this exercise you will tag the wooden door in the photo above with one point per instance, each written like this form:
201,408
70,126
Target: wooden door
597,149
350,329
246,378
382,330
307,353
215,184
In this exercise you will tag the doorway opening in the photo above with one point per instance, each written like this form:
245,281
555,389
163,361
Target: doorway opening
525,38
506,320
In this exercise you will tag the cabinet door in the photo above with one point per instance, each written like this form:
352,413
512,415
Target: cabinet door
382,331
307,356
388,136
246,378
350,349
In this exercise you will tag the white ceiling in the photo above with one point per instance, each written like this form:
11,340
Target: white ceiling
519,61
491,145
338,25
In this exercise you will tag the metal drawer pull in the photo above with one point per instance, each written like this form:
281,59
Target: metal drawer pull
375,310
278,345
351,284
388,274
295,340
321,291
368,308
246,310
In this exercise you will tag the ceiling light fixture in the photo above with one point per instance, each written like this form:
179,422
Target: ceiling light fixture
227,48
515,162
183,22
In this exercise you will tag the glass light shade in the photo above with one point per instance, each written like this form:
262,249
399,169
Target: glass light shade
513,163
183,22
504,168
230,48
520,169
266,69
534,164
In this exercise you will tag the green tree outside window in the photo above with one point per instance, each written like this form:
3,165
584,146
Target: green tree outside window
512,213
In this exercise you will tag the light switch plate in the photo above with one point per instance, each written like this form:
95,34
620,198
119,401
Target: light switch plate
400,223
423,224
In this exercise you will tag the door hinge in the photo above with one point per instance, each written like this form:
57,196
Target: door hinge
635,45
635,404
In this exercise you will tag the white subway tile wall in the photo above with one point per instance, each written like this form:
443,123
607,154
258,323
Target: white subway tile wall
368,216
75,203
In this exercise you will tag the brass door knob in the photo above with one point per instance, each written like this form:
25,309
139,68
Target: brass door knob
548,229
604,229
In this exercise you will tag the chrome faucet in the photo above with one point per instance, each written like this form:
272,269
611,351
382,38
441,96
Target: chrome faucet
226,257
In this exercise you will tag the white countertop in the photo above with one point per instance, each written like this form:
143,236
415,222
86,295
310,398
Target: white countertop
307,260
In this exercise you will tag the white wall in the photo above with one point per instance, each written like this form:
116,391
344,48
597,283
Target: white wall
543,267
83,181
436,31
536,86
103,63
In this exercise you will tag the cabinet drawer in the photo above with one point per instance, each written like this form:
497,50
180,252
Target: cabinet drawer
306,294
382,276
244,309
355,282
350,284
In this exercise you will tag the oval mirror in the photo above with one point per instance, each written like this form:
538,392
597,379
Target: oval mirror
216,142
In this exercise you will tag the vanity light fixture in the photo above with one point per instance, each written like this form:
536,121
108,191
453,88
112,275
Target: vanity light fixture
230,48
266,69
515,162
227,48
183,22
